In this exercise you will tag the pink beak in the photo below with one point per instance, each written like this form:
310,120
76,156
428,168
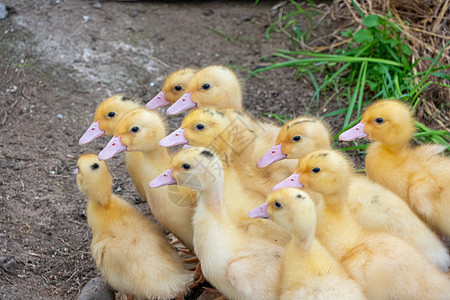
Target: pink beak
91,134
175,138
353,133
272,155
184,103
291,181
114,147
187,147
158,101
165,178
259,212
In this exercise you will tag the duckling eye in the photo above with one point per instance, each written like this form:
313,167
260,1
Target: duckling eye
178,88
186,166
94,166
111,114
379,120
278,204
315,170
206,86
134,129
296,138
199,127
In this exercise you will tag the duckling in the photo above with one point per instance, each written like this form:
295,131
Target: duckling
418,175
106,117
173,88
372,205
385,266
238,139
140,130
131,253
236,261
213,86
308,269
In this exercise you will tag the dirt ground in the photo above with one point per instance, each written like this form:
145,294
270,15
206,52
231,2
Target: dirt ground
58,60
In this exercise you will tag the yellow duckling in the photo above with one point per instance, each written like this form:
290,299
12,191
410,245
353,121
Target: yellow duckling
173,88
106,117
385,266
236,261
213,86
419,175
131,253
139,131
238,139
372,205
308,269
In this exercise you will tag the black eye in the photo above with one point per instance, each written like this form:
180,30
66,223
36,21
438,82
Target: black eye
134,129
315,170
178,88
379,120
186,166
296,138
111,114
206,86
94,166
278,204
199,127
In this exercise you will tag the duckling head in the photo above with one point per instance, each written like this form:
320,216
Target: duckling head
196,167
107,115
387,121
324,171
200,127
290,208
297,138
173,88
215,86
138,130
93,177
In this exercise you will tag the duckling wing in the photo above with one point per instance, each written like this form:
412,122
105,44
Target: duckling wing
256,273
421,190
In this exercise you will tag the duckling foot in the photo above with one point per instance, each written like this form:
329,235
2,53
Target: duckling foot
187,251
198,276
191,260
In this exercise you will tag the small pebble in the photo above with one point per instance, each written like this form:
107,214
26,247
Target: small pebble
3,11
59,116
85,19
97,5
152,83
96,289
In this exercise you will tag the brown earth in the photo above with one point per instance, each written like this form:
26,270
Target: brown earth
59,60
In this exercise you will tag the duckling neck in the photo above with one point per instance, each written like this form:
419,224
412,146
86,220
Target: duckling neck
98,195
303,240
157,153
212,198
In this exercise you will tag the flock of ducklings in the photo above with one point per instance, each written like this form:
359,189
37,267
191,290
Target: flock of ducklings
322,233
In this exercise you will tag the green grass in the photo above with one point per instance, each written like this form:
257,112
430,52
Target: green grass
376,63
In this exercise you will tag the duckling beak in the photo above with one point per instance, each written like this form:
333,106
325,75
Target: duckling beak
353,133
272,155
187,147
259,212
158,101
291,181
175,138
165,178
114,147
184,103
91,134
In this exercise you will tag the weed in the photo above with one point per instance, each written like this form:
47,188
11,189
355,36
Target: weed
375,63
